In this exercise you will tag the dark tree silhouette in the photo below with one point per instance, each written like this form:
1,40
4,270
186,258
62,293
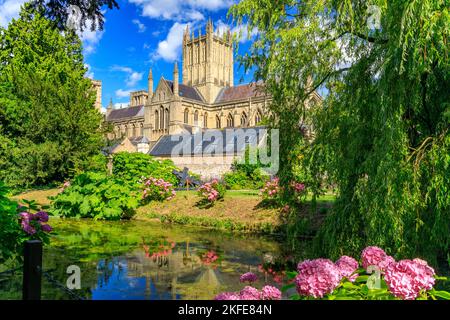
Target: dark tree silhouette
90,11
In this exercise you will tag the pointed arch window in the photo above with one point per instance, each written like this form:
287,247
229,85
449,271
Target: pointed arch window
218,124
156,120
258,117
205,120
196,118
186,116
243,119
230,121
167,118
161,118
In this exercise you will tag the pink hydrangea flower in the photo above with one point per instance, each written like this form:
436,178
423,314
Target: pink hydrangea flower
46,228
227,296
250,293
407,278
42,216
375,256
317,277
270,293
248,277
347,266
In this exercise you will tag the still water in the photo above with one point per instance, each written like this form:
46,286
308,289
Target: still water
149,260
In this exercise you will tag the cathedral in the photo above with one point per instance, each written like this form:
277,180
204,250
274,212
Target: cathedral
205,99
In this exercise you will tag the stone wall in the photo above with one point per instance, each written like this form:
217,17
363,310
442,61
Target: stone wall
208,167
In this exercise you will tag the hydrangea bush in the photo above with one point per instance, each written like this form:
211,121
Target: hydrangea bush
211,192
378,277
157,190
251,293
271,189
381,277
19,223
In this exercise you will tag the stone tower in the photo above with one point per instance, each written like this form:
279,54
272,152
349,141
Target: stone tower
208,61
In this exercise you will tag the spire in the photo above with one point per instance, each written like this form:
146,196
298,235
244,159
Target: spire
110,106
150,84
209,27
186,33
175,79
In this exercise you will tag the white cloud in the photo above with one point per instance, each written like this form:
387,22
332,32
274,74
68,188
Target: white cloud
140,25
9,9
90,39
180,10
170,48
123,93
133,76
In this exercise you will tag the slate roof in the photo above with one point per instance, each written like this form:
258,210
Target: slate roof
123,113
186,91
217,142
244,91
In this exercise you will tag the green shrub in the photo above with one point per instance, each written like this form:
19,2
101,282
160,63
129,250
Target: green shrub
134,166
98,196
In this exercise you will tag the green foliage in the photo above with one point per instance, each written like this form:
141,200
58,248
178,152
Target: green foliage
9,226
134,166
95,195
381,135
48,123
245,175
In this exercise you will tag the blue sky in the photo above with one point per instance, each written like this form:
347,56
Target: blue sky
140,35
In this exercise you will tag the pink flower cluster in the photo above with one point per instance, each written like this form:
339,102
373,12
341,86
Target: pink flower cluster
374,256
158,189
347,267
209,190
298,187
32,223
65,186
271,188
406,279
210,257
251,293
248,277
317,277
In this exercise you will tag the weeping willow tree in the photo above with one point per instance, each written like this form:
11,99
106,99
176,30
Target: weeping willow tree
382,132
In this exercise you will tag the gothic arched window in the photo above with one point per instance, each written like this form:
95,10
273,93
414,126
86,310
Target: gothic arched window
205,120
243,119
196,118
258,117
161,117
230,121
156,120
218,124
167,118
186,116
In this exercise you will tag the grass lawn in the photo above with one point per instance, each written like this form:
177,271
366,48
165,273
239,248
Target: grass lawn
240,210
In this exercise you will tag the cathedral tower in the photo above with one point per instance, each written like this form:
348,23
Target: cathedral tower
208,61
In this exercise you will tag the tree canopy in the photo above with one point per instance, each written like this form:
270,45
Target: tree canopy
382,132
48,123
90,10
